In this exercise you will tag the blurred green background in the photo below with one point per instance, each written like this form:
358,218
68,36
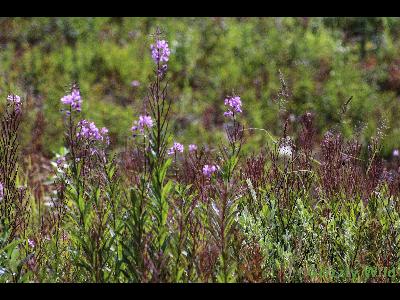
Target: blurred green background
324,61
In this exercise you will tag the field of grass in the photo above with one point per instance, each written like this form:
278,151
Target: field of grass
199,150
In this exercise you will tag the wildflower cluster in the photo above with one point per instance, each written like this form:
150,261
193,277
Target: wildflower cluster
234,106
177,147
217,218
89,132
160,51
144,122
74,99
208,170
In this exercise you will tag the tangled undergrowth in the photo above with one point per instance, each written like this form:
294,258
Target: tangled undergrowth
160,211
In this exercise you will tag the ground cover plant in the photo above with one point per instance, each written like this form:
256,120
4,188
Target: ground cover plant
300,205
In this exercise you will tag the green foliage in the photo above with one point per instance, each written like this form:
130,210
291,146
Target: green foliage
320,58
153,218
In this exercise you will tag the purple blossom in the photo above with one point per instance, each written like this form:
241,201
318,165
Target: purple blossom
1,191
228,114
396,152
160,51
74,100
192,147
60,161
177,147
144,122
15,100
234,106
135,83
89,131
103,131
208,170
31,243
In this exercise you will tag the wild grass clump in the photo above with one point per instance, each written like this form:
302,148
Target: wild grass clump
297,210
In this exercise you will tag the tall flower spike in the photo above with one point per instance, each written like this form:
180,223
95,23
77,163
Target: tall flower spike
160,53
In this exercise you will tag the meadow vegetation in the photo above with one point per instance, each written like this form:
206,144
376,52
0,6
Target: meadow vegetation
199,149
